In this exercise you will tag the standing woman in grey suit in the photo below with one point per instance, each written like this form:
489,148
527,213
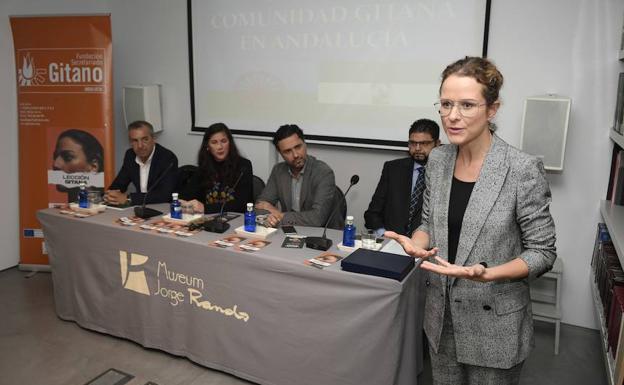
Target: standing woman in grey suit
486,232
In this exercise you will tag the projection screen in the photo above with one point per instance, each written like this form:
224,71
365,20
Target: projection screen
348,72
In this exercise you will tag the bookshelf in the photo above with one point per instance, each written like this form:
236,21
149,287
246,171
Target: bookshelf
617,138
613,216
608,360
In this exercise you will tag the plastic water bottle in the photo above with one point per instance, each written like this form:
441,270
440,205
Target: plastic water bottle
348,234
83,196
176,207
250,218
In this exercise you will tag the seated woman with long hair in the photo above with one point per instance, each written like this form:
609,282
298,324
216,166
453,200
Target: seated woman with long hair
223,176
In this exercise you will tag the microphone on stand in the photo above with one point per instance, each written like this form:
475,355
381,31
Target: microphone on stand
146,212
217,224
324,243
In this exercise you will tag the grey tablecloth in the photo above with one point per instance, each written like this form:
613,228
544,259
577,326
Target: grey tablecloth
262,316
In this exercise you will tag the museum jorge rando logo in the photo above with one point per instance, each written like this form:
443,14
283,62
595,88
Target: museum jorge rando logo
61,70
177,288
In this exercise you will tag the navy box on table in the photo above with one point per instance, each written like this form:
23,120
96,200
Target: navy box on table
378,263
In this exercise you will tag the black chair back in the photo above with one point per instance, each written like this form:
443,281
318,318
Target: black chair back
340,206
258,186
184,176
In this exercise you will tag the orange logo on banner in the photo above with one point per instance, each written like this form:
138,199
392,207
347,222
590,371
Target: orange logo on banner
61,70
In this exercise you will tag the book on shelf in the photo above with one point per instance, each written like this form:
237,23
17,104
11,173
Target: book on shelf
615,319
615,154
617,192
615,338
618,119
609,275
606,267
602,236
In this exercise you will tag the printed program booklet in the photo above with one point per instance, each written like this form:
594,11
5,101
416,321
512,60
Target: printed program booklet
293,242
323,260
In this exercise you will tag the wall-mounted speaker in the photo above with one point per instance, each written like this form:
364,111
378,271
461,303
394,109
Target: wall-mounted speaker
142,103
545,128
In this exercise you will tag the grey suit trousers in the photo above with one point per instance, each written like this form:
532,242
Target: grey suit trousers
447,371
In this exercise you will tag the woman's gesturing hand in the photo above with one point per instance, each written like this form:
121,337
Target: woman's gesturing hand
410,246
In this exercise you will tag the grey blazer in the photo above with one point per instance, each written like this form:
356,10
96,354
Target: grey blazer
317,194
507,217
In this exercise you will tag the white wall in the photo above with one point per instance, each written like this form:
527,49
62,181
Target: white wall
9,213
568,47
150,47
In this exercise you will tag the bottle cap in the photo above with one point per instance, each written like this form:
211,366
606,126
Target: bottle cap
349,217
174,196
249,205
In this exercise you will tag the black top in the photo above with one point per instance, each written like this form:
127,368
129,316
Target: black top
458,201
212,197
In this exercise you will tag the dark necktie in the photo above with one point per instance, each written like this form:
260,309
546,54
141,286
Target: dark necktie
416,202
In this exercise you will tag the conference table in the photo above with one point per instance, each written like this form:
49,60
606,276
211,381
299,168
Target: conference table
264,316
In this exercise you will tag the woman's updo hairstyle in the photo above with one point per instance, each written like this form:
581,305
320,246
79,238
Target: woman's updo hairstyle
480,69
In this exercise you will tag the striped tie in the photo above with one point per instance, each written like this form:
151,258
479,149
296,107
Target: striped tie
416,202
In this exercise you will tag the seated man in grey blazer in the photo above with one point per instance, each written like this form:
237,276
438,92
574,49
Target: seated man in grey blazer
302,185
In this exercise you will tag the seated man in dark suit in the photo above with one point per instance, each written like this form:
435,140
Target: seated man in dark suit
142,166
397,202
303,185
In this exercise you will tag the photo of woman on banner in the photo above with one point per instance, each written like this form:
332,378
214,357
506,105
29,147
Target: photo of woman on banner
77,157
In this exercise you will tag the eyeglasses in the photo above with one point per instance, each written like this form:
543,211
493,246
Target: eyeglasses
466,108
424,143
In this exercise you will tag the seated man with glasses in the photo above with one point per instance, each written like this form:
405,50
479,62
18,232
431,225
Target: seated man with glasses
397,202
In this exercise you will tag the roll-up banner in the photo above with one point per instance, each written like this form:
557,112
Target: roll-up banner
65,114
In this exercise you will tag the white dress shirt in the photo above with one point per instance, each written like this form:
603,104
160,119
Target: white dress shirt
144,169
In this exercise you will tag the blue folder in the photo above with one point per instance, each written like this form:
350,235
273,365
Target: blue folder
378,263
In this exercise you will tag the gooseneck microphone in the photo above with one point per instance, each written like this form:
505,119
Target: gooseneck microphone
323,243
146,212
217,224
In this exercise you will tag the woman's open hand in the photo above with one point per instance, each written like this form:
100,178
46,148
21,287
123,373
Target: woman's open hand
410,246
474,272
